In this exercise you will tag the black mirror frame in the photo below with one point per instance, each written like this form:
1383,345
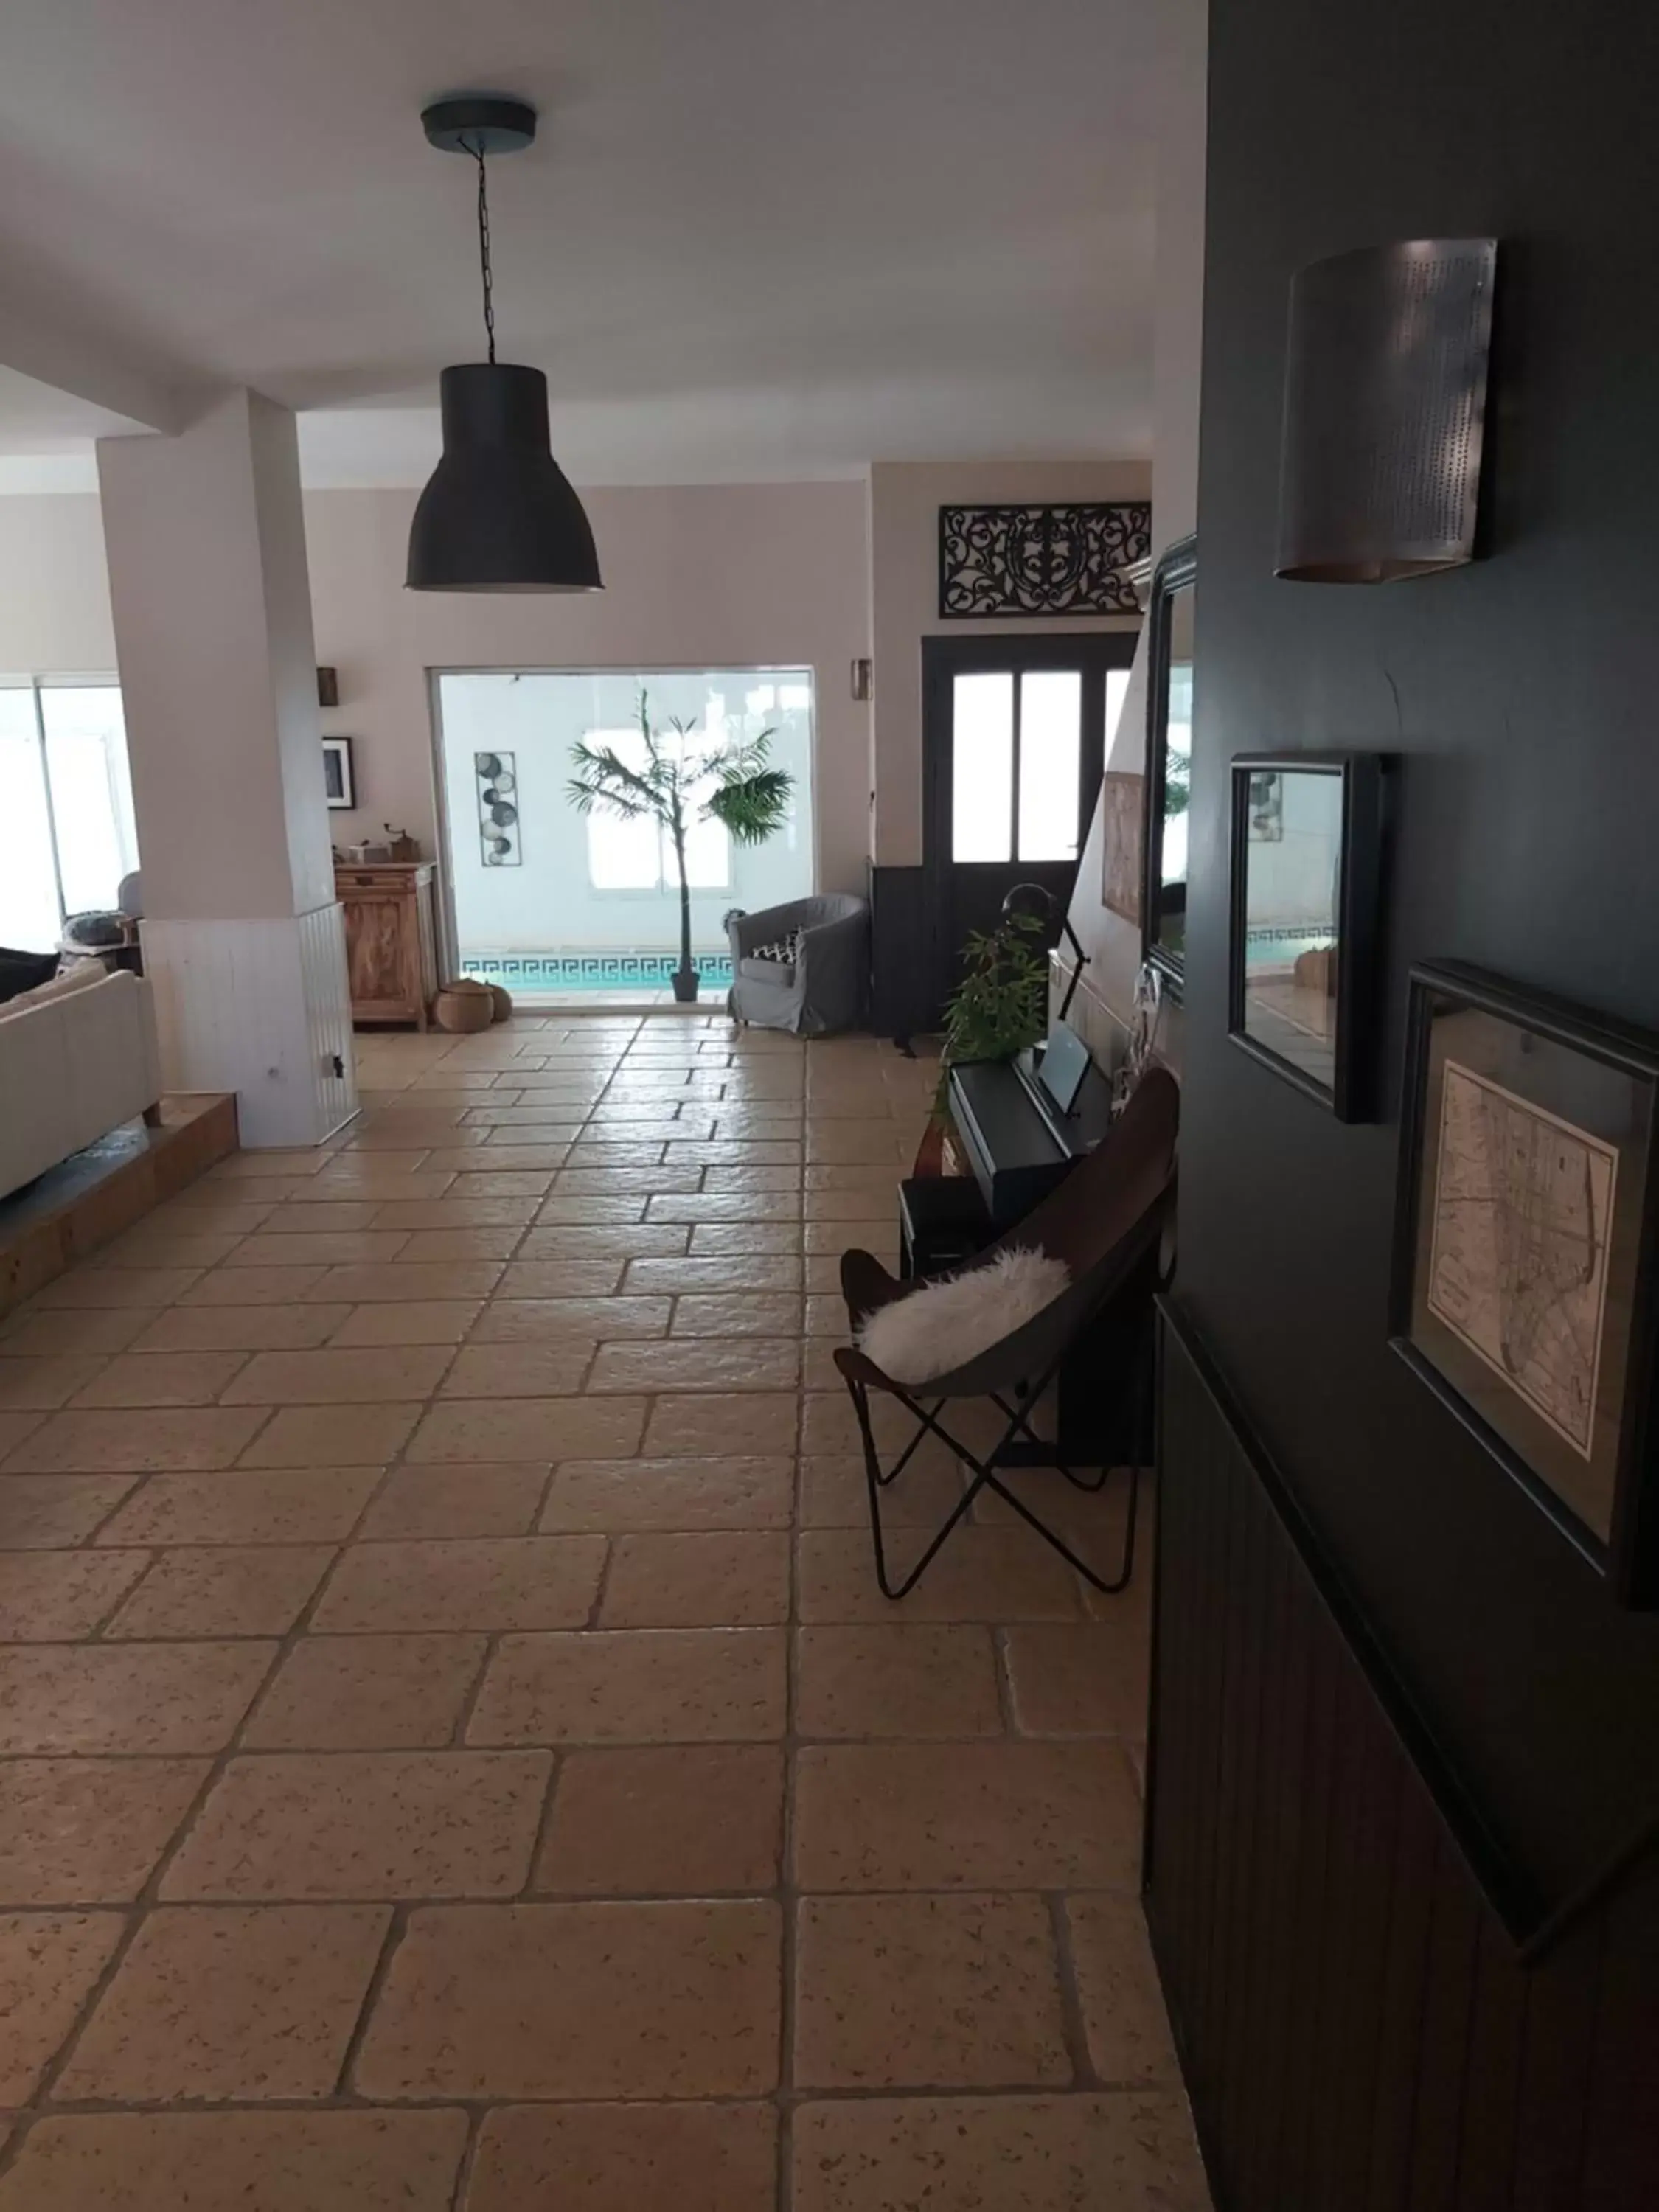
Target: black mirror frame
1176,571
1349,1096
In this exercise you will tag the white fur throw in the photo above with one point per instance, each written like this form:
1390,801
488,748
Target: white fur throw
945,1324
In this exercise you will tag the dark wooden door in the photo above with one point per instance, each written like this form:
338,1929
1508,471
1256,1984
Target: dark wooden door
1013,742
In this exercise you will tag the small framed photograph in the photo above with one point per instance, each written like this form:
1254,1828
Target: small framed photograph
1307,859
338,780
1524,1246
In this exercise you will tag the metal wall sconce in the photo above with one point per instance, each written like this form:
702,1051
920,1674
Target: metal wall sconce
1385,399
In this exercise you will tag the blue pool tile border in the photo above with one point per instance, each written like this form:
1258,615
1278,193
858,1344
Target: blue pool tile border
594,970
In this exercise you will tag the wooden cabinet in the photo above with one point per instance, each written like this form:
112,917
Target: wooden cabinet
392,943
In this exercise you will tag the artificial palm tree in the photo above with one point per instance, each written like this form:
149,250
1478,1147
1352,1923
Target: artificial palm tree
750,798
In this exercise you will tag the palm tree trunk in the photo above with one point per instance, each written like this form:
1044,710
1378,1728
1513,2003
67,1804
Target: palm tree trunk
687,973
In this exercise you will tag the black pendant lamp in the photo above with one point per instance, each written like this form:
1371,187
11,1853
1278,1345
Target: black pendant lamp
499,514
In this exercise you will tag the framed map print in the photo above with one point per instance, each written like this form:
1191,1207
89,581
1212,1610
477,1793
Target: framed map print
1524,1275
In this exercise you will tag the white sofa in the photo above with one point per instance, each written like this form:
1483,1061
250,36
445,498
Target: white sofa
78,1058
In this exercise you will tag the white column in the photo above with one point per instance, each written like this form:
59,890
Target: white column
242,936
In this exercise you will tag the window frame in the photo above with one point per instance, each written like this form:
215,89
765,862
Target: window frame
37,685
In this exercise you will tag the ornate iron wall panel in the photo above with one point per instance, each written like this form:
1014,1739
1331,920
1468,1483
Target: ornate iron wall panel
1014,562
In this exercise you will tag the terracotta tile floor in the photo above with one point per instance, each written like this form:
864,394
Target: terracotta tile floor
453,1752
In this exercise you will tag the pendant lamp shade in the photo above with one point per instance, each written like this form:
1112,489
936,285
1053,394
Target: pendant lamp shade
499,514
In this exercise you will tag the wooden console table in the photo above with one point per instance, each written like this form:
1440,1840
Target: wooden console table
392,943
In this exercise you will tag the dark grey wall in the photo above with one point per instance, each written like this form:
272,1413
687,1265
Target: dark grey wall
1522,694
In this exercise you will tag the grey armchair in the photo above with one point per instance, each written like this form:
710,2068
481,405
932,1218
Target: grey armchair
826,986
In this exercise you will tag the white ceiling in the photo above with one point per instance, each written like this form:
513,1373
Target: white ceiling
757,237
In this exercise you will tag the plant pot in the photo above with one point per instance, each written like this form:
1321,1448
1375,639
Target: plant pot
686,980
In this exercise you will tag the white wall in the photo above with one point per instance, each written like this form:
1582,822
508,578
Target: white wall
905,498
702,576
54,587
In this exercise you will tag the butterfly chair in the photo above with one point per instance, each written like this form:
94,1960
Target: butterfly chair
1107,1222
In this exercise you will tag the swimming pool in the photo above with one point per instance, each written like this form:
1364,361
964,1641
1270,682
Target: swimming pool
593,968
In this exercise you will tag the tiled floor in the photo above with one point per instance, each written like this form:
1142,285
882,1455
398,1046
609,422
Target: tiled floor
452,1754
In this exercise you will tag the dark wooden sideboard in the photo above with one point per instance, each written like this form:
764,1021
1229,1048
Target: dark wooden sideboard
391,942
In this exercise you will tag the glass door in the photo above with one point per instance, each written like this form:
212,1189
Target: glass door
1014,736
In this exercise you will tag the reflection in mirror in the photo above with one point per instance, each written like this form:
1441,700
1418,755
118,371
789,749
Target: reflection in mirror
1306,862
1293,862
1169,761
1177,776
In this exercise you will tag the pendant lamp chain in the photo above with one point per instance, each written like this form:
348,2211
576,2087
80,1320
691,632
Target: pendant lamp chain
488,274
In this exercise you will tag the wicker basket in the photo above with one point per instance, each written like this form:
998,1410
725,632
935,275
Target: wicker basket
502,1001
464,1006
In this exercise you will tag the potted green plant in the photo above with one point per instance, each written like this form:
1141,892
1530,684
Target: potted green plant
998,1008
750,798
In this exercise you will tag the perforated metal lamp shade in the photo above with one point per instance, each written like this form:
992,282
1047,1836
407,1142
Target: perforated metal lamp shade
499,514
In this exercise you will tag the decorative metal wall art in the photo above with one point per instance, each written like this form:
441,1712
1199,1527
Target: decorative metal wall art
498,809
1385,402
1013,562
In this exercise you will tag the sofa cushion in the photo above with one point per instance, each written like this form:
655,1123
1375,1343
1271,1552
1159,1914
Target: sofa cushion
21,971
760,968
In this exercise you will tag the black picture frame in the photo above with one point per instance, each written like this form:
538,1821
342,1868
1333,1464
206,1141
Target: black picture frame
1529,1049
1177,572
339,773
1350,1092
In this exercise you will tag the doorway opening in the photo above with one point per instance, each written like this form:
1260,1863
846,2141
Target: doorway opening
564,907
1014,735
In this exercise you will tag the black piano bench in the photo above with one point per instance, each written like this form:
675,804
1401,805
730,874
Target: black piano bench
943,1223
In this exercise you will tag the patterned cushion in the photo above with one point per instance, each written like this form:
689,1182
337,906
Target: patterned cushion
786,950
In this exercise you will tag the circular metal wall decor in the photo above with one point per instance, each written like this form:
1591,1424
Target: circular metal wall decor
499,837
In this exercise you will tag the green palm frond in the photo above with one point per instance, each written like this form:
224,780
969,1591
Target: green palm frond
604,779
752,808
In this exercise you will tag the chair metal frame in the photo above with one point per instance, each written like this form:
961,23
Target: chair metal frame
1005,1454
1107,1221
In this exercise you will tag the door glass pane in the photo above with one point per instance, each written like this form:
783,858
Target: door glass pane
983,766
91,797
29,919
1050,747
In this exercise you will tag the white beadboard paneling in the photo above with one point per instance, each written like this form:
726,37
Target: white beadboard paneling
258,1008
328,1012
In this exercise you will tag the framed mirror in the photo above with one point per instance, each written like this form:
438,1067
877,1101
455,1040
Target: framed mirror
1306,862
1169,761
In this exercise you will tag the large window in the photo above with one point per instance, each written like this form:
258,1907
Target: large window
567,892
66,828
